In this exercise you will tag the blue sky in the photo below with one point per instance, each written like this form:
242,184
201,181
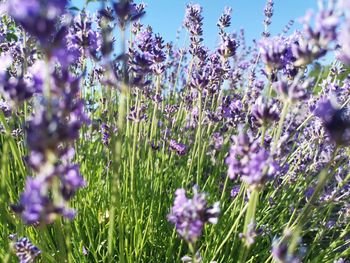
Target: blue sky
165,16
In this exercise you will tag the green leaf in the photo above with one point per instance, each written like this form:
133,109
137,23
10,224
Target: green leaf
11,36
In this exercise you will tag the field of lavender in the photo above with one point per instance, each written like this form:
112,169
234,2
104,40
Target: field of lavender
116,146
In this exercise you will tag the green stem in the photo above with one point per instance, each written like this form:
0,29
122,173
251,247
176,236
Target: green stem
199,135
192,248
302,218
249,219
115,202
229,234
155,109
280,125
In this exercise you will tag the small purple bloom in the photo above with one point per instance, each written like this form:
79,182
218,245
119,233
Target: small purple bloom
225,18
38,17
344,42
309,192
127,11
193,19
280,253
218,140
19,89
249,237
335,120
25,250
265,112
190,215
235,191
250,161
71,181
85,251
293,90
105,134
5,108
179,148
272,51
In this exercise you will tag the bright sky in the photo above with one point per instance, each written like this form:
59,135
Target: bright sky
165,16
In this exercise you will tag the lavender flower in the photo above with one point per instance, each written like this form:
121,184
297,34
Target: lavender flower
225,18
84,251
36,207
335,120
50,134
235,191
218,140
293,90
272,53
105,134
250,236
326,23
194,23
190,215
71,181
268,12
25,250
250,161
37,17
227,47
127,11
81,37
264,112
316,41
5,108
193,19
179,148
19,89
306,52
340,260
280,253
195,258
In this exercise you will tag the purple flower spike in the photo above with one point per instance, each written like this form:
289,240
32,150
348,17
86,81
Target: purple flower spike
280,253
127,11
179,148
250,161
190,215
335,120
227,47
272,53
265,113
25,250
71,181
37,17
225,18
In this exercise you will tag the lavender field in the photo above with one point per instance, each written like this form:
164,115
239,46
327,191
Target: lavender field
119,146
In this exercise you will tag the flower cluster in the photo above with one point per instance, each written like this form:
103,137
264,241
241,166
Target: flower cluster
265,112
24,249
127,11
250,161
50,133
190,215
194,23
38,17
268,12
335,120
280,252
179,148
81,38
225,19
57,119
